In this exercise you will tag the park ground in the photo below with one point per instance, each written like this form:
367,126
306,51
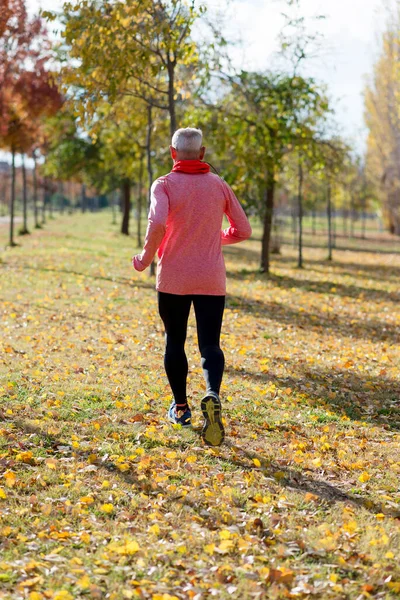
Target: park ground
101,498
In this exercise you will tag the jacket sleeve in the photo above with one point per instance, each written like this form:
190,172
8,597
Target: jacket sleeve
239,229
156,226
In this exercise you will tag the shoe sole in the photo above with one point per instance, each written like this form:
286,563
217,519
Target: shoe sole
213,433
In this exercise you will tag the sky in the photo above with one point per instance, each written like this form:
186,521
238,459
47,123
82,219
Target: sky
350,45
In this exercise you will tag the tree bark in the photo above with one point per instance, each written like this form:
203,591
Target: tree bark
329,215
35,194
333,211
345,216
50,203
267,223
61,196
150,166
126,197
364,218
44,201
171,96
12,199
352,217
139,202
83,198
24,230
300,210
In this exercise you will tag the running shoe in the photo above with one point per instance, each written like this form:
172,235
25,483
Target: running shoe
183,418
213,431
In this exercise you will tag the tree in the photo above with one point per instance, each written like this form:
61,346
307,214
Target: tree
27,91
382,116
139,48
261,118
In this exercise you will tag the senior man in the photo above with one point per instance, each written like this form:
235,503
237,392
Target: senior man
184,225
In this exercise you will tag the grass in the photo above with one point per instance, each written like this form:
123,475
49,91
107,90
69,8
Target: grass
101,498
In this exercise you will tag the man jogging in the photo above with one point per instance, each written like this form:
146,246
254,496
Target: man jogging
184,225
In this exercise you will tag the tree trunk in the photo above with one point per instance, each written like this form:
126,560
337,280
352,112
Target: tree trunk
171,96
139,202
364,219
267,222
44,201
314,221
300,210
329,215
333,211
126,197
150,166
50,203
364,206
35,195
352,217
345,215
61,196
24,230
83,198
12,199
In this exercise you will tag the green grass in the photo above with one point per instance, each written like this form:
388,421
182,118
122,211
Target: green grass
100,497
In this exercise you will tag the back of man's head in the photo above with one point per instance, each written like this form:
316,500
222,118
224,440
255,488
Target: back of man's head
187,142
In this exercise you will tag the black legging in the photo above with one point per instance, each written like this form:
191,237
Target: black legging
174,311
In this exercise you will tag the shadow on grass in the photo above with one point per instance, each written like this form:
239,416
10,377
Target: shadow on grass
374,400
320,287
370,329
122,280
378,271
288,477
303,482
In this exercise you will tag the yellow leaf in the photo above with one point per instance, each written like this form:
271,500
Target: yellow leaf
128,548
350,526
86,500
31,582
364,477
85,537
191,459
26,457
3,495
10,478
154,529
62,595
317,462
225,534
107,508
84,582
256,462
209,549
225,546
35,596
123,467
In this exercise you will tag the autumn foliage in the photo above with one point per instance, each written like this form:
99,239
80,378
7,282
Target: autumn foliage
100,497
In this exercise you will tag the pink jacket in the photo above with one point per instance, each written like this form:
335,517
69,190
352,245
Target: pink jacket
184,225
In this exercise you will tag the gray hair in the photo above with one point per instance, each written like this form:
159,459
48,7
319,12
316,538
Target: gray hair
188,140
